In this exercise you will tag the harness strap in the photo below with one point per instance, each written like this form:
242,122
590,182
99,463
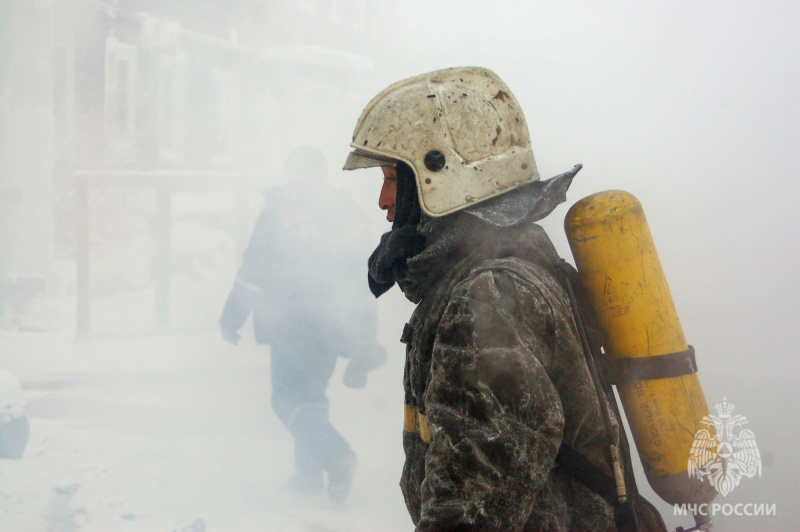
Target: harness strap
581,469
587,473
630,370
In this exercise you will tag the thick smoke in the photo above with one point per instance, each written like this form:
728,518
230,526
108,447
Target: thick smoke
137,139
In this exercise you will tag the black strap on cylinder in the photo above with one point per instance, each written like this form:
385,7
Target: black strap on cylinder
630,370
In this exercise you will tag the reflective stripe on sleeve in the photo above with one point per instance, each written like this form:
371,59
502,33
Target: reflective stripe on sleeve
249,286
414,421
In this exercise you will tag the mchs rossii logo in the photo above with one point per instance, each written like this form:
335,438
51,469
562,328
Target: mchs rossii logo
726,456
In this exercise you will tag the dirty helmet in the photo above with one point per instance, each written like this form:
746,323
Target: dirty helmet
461,130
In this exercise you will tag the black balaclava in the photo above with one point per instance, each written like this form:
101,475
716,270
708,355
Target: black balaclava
389,260
406,204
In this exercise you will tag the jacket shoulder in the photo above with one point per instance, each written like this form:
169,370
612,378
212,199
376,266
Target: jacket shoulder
514,295
514,277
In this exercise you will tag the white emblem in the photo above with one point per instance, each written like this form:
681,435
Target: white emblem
725,457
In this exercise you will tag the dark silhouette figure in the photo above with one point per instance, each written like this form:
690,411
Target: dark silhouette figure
303,283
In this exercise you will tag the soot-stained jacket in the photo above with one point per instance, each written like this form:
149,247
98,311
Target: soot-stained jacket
494,361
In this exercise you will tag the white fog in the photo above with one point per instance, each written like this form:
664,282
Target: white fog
137,140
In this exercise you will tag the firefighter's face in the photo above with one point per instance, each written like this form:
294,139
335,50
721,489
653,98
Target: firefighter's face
388,191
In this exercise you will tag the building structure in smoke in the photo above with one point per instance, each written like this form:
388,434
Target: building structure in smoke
126,98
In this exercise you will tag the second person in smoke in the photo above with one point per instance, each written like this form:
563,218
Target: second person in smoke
301,280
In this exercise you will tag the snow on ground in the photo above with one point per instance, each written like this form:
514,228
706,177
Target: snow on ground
173,431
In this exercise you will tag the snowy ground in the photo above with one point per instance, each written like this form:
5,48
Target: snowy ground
174,431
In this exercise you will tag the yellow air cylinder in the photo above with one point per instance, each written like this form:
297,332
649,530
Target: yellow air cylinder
619,267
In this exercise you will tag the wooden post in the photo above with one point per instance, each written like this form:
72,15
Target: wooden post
82,254
242,219
162,267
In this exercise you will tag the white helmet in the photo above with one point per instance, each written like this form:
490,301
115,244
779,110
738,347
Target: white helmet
460,129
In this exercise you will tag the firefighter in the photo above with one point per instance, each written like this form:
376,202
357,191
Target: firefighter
307,299
496,382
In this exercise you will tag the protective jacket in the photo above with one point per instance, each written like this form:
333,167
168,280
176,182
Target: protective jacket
494,361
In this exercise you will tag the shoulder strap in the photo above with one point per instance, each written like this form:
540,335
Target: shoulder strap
628,516
587,473
626,507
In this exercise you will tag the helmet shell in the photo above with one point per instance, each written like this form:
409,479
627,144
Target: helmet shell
460,129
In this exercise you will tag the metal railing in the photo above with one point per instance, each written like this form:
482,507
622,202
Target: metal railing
165,183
